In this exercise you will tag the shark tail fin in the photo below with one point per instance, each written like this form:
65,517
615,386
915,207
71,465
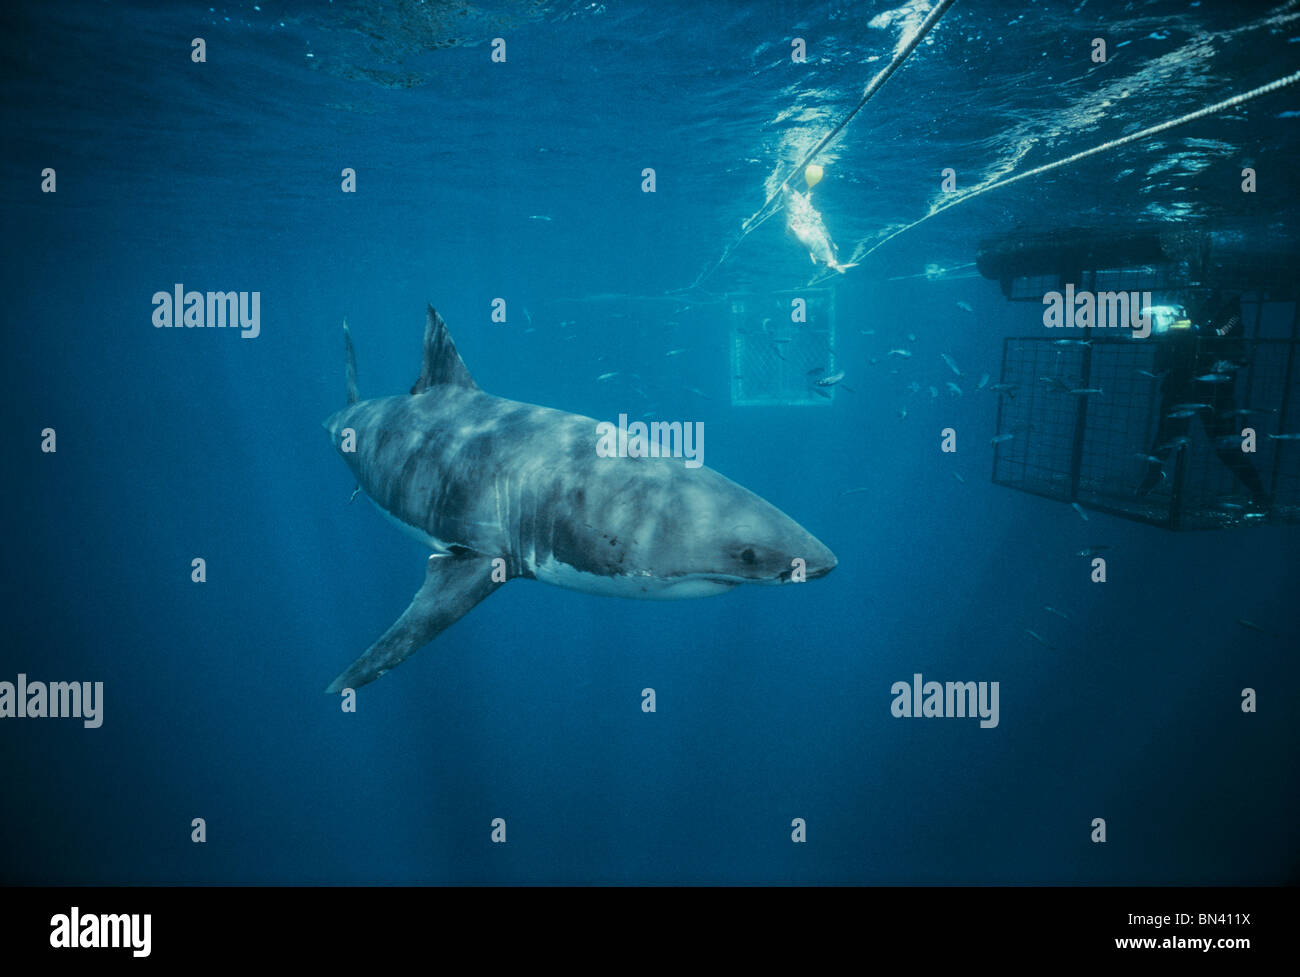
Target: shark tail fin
352,365
453,585
441,365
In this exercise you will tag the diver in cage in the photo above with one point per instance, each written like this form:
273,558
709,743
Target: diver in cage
1198,359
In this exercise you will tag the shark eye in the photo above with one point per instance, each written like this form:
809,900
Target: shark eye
747,555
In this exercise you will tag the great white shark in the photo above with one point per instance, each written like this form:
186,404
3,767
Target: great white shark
500,490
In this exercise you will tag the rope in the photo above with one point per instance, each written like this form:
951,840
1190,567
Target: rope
1214,109
767,210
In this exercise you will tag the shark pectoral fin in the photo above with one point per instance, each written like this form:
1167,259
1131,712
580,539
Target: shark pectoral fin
453,584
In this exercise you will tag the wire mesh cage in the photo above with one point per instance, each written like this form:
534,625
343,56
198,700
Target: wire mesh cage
781,343
1177,436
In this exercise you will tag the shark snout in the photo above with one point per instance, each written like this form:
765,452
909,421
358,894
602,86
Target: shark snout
821,561
817,558
823,564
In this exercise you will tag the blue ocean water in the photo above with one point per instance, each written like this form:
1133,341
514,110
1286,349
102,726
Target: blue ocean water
523,180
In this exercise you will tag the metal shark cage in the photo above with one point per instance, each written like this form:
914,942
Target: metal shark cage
1092,448
773,355
1077,421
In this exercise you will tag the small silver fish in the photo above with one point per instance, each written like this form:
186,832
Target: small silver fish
1284,437
1251,625
984,381
1175,443
1040,639
1061,614
1001,438
965,307
1175,414
856,491
1214,378
954,389
1190,407
904,353
1153,376
1086,391
1150,459
677,352
1079,509
1089,551
1072,342
1247,411
952,365
607,376
958,476
902,413
934,391
831,380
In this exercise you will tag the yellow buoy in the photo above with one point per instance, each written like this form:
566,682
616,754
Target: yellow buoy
812,175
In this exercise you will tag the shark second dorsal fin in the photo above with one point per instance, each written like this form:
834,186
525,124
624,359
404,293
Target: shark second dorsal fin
442,365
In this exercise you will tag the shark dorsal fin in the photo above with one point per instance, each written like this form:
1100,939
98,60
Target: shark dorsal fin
442,365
